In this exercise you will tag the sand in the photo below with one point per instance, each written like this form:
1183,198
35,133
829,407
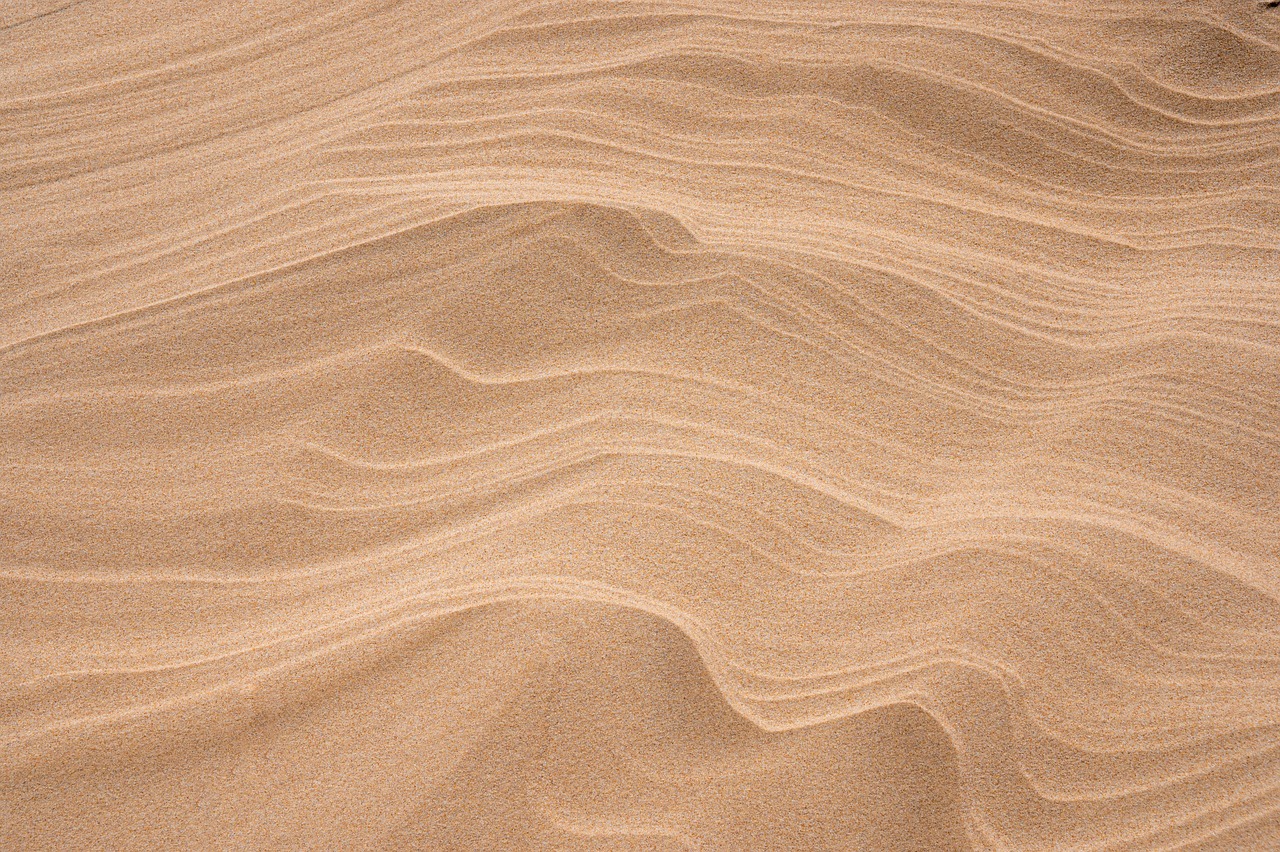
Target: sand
526,424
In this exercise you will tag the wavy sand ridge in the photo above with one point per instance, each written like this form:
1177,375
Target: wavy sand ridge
640,426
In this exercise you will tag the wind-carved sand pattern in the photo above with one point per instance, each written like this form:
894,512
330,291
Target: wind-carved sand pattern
648,426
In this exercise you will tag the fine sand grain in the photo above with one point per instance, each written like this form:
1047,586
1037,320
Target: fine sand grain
708,425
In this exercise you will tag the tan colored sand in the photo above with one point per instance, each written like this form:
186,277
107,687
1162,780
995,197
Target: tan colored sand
640,426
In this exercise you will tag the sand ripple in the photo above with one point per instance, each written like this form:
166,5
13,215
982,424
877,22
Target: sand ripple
640,425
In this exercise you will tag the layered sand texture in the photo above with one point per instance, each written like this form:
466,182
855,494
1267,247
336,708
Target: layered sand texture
524,424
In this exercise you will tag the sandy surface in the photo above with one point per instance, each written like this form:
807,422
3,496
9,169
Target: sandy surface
640,426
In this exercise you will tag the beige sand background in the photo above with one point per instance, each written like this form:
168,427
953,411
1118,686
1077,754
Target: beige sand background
640,426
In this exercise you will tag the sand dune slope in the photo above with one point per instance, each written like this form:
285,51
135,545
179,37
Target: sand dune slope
590,425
